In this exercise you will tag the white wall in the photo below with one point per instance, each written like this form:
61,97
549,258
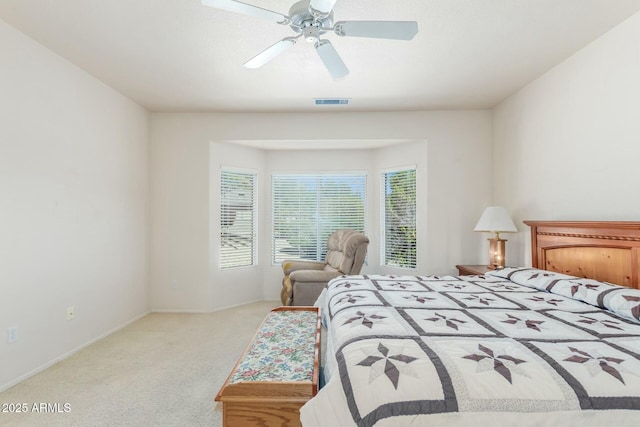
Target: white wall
73,207
184,153
567,146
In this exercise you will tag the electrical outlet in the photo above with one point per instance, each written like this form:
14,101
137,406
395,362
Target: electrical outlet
70,313
12,335
174,284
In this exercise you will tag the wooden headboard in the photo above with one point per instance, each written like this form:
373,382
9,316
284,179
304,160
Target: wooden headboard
607,251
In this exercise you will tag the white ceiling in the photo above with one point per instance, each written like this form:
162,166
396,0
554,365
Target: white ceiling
177,55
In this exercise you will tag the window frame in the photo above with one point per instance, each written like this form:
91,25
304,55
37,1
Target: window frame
384,262
254,253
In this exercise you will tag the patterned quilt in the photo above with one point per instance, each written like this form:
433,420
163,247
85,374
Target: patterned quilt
518,346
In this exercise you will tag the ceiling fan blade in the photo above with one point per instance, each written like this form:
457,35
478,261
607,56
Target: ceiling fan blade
331,59
321,7
271,52
248,9
396,30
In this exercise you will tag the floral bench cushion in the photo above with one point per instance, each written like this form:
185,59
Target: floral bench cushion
283,349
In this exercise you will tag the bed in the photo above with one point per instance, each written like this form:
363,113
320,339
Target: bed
557,343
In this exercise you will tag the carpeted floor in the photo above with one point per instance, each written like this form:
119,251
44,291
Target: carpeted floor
163,370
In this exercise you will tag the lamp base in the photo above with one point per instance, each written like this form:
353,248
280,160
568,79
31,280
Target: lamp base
496,253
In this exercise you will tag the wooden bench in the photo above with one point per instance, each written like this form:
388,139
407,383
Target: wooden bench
277,373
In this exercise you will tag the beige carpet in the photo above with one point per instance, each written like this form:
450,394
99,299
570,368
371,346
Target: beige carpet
162,370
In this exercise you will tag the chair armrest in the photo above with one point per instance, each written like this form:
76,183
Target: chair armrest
289,266
313,276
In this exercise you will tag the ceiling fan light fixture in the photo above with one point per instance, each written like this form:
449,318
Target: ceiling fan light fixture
321,8
311,34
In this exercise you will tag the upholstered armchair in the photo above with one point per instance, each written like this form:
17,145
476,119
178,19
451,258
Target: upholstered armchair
304,280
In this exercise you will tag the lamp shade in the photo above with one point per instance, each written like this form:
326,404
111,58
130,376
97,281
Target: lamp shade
496,219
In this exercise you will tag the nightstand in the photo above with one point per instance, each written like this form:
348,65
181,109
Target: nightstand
472,270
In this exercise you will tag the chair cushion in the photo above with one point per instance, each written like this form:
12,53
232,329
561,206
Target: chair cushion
331,269
341,249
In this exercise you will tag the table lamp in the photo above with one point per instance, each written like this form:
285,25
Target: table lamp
496,219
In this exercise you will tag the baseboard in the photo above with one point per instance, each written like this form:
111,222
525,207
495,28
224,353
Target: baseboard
168,311
69,353
226,307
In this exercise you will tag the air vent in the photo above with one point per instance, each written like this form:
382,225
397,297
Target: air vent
331,101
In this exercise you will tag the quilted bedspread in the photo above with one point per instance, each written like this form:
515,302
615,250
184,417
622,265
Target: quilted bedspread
517,347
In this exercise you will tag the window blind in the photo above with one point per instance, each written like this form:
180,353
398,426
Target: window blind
237,218
399,219
308,208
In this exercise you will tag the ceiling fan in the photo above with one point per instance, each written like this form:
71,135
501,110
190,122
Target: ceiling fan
311,19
